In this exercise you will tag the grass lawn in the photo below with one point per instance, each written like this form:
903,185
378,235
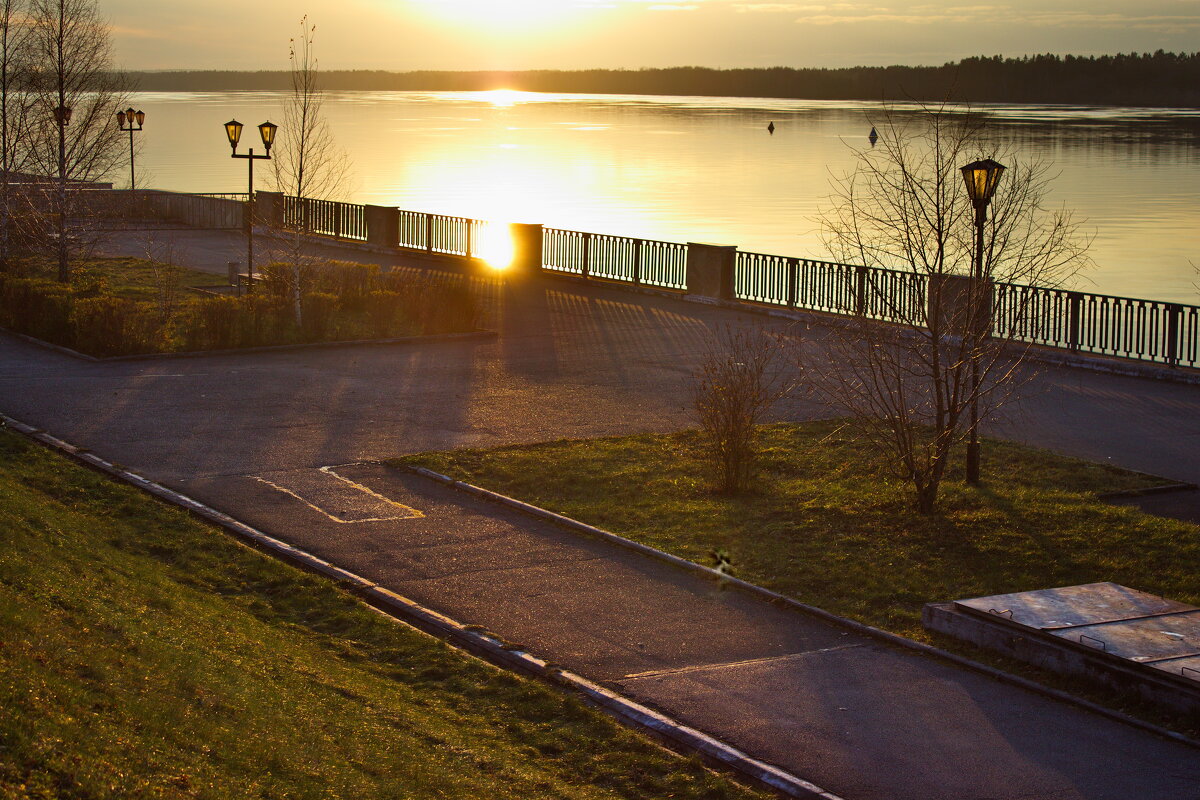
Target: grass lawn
134,278
828,526
143,654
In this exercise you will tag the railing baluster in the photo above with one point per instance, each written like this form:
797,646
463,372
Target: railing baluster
1174,312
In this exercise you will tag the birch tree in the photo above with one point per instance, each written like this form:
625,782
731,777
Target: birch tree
308,163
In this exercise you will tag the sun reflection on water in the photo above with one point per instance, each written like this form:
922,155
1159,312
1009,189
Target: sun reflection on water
501,98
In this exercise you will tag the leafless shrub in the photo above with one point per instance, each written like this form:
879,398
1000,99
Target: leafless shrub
160,252
737,383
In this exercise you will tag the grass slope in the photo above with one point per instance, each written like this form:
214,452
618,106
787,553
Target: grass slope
143,654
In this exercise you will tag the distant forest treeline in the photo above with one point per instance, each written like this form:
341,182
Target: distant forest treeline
1146,79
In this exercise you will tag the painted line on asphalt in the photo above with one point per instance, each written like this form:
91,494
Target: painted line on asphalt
465,637
354,496
749,662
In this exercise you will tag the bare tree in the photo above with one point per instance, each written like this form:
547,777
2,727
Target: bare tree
308,163
738,382
75,94
924,350
14,113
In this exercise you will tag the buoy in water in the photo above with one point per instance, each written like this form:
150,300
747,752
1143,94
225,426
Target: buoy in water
771,128
874,137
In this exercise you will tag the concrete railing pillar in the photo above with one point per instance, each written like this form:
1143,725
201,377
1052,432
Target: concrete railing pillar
383,225
959,306
268,209
710,270
527,248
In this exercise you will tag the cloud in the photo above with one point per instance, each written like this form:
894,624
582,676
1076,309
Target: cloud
769,8
933,14
671,8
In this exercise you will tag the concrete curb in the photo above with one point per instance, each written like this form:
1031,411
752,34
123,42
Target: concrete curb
491,649
1150,490
274,348
784,600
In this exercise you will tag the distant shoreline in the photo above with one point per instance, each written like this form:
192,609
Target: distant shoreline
1160,79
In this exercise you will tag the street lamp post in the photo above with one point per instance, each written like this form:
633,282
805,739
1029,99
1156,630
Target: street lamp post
130,116
233,130
62,118
981,178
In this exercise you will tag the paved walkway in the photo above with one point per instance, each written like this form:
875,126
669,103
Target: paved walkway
250,434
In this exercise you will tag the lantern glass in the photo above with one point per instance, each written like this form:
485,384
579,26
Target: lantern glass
267,131
141,117
121,119
233,129
981,178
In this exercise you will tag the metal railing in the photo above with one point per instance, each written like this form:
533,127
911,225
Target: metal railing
1132,328
200,211
804,283
327,217
414,230
647,262
457,236
240,196
1127,327
440,233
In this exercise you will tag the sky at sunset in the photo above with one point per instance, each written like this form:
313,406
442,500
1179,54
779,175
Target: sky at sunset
572,34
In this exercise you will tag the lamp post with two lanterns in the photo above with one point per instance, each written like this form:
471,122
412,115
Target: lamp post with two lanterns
130,116
981,178
233,130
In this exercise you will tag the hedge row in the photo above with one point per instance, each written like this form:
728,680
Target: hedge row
337,302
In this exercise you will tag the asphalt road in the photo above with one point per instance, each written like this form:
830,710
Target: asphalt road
249,434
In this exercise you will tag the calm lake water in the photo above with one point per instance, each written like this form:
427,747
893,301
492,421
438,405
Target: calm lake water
696,169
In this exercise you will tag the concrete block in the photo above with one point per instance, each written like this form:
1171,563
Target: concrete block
527,248
710,270
383,225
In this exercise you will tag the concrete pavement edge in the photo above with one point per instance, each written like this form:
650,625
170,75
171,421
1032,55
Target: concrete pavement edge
634,715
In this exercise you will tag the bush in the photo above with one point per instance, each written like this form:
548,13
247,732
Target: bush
319,310
37,307
435,303
263,320
215,323
351,283
382,309
114,326
274,280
